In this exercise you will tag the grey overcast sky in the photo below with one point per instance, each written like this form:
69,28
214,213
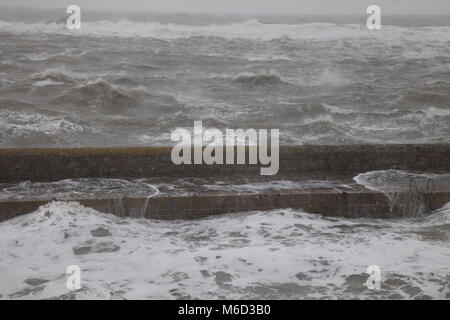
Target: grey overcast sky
249,6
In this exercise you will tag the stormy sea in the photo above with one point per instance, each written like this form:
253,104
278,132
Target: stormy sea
131,79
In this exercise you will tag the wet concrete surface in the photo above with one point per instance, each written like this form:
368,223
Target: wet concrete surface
318,179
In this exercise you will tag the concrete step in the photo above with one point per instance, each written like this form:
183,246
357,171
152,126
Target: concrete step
192,198
318,179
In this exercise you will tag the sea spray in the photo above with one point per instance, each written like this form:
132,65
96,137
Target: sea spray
409,193
274,254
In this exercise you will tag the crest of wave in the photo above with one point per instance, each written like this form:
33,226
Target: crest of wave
252,30
209,258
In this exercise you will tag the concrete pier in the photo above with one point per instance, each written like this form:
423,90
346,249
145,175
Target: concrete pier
335,166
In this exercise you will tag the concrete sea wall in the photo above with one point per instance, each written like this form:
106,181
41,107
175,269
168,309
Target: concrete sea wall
46,165
55,164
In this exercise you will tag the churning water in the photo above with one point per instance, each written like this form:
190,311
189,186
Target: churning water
275,254
281,254
130,80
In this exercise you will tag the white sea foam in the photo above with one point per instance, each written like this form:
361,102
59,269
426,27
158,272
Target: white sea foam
46,83
336,109
43,56
399,180
433,111
57,73
275,254
26,123
76,188
251,29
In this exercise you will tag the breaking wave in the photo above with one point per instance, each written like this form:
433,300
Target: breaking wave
408,192
43,56
99,95
398,180
279,254
28,123
57,74
252,29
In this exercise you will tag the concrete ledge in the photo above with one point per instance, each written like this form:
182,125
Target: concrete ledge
333,204
55,164
201,206
297,164
372,204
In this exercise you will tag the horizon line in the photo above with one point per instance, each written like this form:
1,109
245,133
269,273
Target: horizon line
199,12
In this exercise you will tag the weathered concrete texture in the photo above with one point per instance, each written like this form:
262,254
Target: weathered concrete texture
199,206
56,164
171,207
191,198
370,204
